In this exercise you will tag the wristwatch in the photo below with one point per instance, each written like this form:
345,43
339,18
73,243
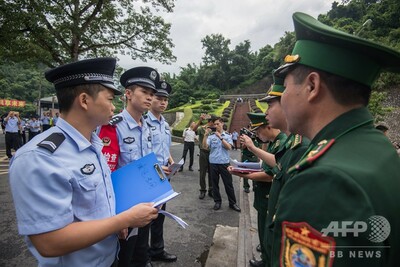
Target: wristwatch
221,138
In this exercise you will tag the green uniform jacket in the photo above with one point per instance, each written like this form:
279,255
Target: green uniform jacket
291,152
341,207
261,189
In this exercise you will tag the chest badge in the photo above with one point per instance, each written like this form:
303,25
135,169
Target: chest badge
129,140
106,141
88,169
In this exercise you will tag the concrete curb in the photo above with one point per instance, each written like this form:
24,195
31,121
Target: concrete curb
236,246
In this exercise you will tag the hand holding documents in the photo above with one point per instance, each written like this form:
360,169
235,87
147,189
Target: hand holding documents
141,181
175,167
245,167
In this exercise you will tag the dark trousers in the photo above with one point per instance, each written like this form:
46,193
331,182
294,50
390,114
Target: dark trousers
157,235
261,221
246,183
46,127
133,252
221,169
235,144
204,170
23,137
188,146
32,134
12,141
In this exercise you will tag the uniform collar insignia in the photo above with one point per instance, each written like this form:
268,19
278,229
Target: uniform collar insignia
88,169
297,141
129,140
312,155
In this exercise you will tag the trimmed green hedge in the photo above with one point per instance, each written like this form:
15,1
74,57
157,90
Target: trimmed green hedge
184,123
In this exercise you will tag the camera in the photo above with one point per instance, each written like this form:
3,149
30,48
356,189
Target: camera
213,129
247,132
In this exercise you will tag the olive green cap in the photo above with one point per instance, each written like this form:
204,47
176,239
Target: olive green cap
256,119
276,89
325,48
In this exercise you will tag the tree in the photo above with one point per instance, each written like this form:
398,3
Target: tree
61,31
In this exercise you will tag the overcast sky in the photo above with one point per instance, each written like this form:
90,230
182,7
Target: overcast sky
261,22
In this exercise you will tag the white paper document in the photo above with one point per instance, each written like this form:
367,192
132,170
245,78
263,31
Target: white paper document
245,167
175,167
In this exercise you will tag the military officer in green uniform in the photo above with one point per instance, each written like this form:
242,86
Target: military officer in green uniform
340,205
248,156
262,180
291,151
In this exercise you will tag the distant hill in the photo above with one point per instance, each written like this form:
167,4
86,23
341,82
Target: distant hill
258,87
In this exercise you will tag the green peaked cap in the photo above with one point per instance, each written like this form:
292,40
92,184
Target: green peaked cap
276,89
325,48
256,119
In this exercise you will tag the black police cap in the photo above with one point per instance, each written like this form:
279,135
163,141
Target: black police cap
143,76
163,89
88,71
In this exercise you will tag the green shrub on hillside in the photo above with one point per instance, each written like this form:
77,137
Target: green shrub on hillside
178,129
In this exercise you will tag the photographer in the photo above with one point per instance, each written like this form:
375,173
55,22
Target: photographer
12,122
219,142
247,155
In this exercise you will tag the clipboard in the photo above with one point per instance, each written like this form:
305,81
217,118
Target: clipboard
142,180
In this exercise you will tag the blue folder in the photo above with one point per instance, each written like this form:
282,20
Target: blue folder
141,181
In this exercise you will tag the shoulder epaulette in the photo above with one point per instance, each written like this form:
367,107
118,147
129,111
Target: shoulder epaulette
297,141
52,142
114,120
312,156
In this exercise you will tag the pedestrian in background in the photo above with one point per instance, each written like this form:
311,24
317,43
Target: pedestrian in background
235,136
220,142
12,122
189,137
34,127
204,165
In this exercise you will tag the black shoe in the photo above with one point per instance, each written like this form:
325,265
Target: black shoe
180,169
247,190
258,248
202,195
256,263
190,169
210,194
235,207
217,206
165,256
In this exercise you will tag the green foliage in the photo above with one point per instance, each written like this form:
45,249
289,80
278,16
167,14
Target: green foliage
57,32
376,108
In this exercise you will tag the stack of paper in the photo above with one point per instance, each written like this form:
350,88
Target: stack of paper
245,167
